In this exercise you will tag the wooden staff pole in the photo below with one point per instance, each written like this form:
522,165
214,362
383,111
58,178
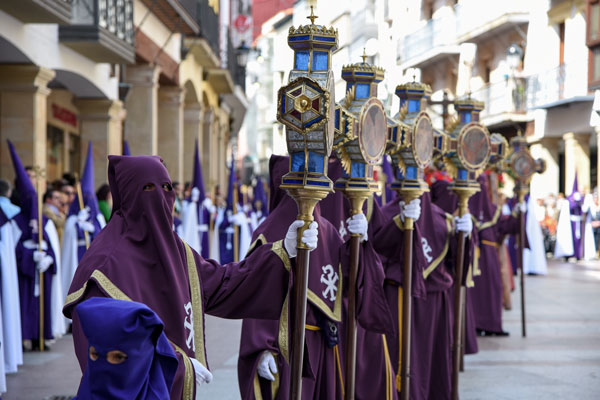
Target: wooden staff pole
306,199
357,200
409,223
521,190
81,206
459,290
38,184
236,229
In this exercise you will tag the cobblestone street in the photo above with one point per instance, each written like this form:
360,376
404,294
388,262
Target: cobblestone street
560,358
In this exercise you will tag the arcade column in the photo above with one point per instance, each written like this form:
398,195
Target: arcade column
170,129
577,159
141,125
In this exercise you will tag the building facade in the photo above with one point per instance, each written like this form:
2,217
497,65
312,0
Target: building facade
159,74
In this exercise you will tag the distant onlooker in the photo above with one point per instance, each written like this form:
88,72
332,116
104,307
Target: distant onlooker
54,204
104,201
595,211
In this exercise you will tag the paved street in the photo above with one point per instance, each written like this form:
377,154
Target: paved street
560,358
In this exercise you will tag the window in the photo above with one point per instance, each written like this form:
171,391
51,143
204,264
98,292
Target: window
593,42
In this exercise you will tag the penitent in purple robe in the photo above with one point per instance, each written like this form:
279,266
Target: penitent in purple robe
444,198
431,332
139,257
323,355
576,210
491,229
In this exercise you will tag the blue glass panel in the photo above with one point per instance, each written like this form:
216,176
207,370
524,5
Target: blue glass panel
301,60
316,183
358,170
364,74
324,38
298,162
411,172
344,173
465,117
315,162
320,61
314,121
414,105
337,118
283,104
296,38
462,174
349,85
399,174
362,90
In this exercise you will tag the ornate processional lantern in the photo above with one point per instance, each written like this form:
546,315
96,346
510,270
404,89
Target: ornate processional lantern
306,107
522,166
410,143
360,139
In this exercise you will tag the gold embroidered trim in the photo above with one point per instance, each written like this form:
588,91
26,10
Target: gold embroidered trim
336,313
399,222
110,288
282,336
274,384
439,258
312,327
196,295
278,249
490,243
336,354
476,270
389,375
189,378
482,226
260,240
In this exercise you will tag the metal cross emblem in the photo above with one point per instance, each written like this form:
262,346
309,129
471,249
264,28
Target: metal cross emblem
188,324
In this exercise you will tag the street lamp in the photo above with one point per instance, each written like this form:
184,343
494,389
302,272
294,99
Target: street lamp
241,54
514,55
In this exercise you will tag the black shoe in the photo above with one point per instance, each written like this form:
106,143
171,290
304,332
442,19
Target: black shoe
483,332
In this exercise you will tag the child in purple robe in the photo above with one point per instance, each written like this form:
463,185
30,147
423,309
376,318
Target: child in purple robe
139,257
129,356
263,369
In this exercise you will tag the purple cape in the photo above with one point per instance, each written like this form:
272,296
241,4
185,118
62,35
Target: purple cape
139,257
325,311
134,329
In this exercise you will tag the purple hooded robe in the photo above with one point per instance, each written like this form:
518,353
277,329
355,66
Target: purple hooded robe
444,198
323,354
139,257
491,229
27,221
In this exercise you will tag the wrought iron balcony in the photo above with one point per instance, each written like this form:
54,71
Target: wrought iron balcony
547,87
102,30
436,38
508,96
476,18
39,11
205,15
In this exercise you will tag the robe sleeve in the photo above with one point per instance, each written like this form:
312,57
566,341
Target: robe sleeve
24,257
373,312
255,287
508,225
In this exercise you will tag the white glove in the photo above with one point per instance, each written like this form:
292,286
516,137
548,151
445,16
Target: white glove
208,204
44,264
309,237
357,224
267,366
506,209
84,214
410,210
203,375
195,195
238,219
523,207
247,208
464,224
38,256
86,226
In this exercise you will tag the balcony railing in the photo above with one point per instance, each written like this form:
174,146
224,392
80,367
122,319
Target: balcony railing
207,19
437,32
547,87
39,11
238,73
101,30
473,15
507,96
